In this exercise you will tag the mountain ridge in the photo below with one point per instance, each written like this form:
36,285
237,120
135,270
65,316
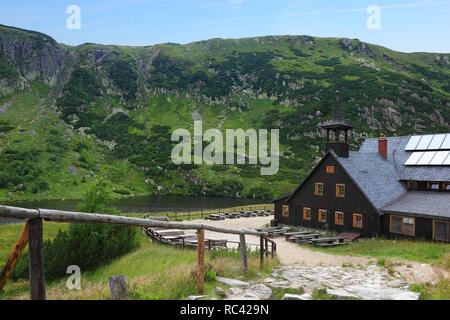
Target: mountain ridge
95,109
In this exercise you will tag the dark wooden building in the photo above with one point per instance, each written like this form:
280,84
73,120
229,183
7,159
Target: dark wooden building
393,186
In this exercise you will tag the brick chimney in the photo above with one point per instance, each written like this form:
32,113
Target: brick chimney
383,146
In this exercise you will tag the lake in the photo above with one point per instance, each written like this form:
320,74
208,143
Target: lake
144,204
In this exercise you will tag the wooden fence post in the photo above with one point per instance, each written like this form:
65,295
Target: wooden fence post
243,248
201,260
266,244
261,251
36,260
118,287
14,256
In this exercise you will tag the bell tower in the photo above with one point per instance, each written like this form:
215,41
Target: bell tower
337,132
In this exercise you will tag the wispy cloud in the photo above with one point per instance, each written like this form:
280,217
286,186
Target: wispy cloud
418,12
417,4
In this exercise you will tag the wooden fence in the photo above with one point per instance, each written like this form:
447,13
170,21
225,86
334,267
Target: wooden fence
33,234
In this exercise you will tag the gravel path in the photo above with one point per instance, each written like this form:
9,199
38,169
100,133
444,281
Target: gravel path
288,253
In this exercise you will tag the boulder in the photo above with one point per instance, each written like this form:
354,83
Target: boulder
220,292
305,296
235,291
262,291
243,296
196,297
341,294
232,282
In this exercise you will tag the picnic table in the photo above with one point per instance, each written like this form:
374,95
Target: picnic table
295,233
209,243
216,217
230,215
327,242
270,228
170,232
304,237
278,232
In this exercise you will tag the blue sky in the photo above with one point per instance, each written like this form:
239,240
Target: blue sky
406,25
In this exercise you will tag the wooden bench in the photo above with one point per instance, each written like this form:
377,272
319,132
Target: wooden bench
308,237
213,243
216,217
296,233
170,232
269,229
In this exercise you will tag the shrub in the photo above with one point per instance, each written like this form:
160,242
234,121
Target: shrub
210,276
85,245
124,75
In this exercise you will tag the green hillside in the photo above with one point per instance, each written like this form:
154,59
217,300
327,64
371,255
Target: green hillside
70,115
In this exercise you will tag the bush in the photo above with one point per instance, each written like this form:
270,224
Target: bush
210,276
85,245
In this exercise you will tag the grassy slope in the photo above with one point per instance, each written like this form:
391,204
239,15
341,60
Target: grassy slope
38,129
29,110
154,271
158,272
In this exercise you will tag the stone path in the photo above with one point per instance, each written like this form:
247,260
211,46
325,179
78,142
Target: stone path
288,253
366,283
343,277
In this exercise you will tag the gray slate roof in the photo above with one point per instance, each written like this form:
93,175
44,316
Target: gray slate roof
397,156
422,203
380,179
376,177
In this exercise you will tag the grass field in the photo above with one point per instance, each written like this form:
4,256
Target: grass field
159,272
153,271
420,251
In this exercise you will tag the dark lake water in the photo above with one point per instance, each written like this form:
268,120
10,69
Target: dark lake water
144,204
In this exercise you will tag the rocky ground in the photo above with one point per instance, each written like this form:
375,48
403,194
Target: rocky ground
339,277
341,283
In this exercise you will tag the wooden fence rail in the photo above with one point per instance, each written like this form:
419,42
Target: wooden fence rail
204,213
35,218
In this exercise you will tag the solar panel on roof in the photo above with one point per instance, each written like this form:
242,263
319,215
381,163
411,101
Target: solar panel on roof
439,158
424,142
447,161
446,143
426,158
412,144
415,156
436,143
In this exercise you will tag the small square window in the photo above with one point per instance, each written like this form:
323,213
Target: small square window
357,220
339,218
330,169
306,213
340,190
447,186
433,186
322,215
318,189
285,211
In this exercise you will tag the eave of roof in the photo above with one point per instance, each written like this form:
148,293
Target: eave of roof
421,203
